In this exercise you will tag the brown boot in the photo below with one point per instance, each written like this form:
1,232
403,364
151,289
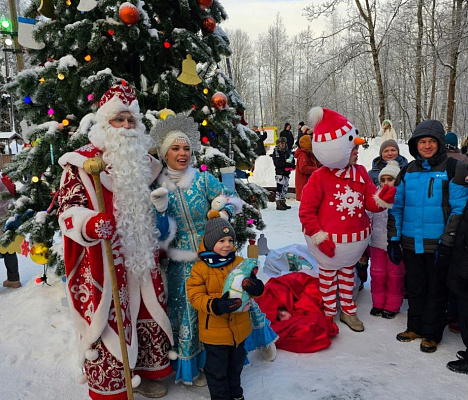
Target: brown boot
407,336
12,284
151,389
280,205
428,346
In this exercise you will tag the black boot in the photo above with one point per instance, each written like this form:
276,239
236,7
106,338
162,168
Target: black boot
460,366
285,205
280,205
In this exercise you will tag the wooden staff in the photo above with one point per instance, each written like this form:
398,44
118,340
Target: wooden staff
94,166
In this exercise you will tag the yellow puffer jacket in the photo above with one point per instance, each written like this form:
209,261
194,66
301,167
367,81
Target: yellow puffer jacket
205,284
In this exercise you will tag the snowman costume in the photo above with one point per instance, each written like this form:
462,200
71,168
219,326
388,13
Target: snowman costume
333,209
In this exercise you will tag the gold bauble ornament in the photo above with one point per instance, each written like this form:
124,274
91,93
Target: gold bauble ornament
39,253
165,112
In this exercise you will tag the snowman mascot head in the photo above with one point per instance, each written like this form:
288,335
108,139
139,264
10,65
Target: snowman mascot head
334,137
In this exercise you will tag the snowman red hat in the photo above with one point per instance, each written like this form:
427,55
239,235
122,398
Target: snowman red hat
334,137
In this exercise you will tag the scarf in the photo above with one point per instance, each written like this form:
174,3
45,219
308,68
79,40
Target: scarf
215,260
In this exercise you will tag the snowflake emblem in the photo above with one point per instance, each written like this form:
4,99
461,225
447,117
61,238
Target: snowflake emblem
349,200
87,276
104,228
124,296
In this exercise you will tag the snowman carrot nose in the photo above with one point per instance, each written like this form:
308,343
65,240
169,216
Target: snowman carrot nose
359,140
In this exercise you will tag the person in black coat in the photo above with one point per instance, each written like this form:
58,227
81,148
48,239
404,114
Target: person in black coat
284,164
458,284
286,133
260,150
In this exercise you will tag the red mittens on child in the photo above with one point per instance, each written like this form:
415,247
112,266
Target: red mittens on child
101,226
387,194
327,247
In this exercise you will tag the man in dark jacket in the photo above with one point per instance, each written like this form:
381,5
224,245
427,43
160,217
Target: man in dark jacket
458,284
286,133
284,164
260,150
423,221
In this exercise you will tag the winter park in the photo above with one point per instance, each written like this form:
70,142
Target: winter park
233,199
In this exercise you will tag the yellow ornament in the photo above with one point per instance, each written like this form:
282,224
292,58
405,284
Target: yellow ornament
87,58
34,142
165,112
35,179
39,253
65,122
206,91
42,79
189,72
61,76
14,246
205,122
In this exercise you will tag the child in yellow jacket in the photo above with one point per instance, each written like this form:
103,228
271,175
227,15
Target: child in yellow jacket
222,331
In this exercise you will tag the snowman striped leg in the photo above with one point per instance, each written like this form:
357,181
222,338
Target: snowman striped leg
345,289
327,286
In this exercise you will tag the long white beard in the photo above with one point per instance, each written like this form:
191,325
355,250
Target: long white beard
126,154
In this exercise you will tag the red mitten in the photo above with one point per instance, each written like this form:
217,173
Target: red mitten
387,194
327,247
101,226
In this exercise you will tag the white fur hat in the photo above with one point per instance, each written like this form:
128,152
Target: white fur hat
117,99
392,169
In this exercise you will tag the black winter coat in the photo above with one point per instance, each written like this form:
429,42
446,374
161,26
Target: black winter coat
280,158
260,150
458,270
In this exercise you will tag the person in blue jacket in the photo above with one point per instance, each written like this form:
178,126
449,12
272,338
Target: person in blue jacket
430,198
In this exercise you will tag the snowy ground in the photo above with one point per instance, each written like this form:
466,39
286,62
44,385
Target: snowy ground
37,360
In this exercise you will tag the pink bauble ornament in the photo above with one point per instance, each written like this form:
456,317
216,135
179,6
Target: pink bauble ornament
90,97
219,101
128,13
203,167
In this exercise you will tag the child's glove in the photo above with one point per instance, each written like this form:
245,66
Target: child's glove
443,256
253,286
394,252
101,226
327,247
160,198
387,194
224,305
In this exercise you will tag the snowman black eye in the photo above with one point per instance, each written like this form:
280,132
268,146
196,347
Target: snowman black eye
350,138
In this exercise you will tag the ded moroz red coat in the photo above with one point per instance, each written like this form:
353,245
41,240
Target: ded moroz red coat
334,202
88,282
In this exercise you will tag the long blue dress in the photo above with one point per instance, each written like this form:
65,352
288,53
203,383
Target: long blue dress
189,202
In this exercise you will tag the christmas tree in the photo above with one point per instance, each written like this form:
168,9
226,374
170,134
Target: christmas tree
168,50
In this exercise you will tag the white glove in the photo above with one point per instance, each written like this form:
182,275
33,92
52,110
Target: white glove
159,198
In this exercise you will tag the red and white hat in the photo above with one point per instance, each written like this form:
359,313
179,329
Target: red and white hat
117,99
328,124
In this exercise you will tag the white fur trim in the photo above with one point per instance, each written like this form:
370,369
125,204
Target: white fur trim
77,218
182,255
81,377
319,237
72,158
115,106
315,116
154,307
136,380
184,183
164,244
172,355
91,354
380,202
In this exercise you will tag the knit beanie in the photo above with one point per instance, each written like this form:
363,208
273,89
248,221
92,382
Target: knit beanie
451,140
306,143
392,169
216,229
388,143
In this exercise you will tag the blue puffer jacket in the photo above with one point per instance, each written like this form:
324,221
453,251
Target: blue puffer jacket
427,206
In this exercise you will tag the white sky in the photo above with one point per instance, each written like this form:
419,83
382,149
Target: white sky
255,16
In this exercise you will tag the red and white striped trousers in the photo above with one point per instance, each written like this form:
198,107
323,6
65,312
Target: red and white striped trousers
343,280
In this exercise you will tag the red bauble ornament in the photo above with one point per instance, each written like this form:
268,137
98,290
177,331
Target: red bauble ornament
209,24
204,3
219,101
128,13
